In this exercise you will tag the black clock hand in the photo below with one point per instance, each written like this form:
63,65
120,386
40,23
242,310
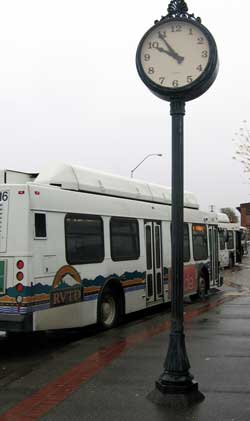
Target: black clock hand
168,45
172,52
162,50
178,58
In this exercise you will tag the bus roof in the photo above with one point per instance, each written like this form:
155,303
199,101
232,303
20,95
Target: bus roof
83,179
16,177
222,217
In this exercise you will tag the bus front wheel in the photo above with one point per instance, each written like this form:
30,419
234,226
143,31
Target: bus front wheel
108,310
202,288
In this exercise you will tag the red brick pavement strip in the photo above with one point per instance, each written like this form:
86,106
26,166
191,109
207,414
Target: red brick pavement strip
39,403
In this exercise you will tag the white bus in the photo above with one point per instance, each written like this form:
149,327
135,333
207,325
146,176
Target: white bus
230,250
79,247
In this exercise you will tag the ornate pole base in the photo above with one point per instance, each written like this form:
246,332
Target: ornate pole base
176,387
178,395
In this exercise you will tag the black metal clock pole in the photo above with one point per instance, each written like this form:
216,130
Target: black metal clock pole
176,384
175,35
176,379
176,364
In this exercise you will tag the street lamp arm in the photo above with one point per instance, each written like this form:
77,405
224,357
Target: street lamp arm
144,159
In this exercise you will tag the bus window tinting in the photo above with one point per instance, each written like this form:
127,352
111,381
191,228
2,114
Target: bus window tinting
200,249
40,225
222,239
149,248
230,241
157,246
84,239
186,244
124,237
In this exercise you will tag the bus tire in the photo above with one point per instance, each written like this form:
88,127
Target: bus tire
202,288
108,311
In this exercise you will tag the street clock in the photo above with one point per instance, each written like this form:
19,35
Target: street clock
177,58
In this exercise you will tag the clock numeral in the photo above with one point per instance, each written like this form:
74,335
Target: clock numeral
200,40
154,44
175,83
176,28
151,70
162,33
146,57
200,68
189,79
191,31
161,79
204,53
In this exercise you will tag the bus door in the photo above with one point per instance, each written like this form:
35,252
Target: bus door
238,247
154,281
223,253
214,255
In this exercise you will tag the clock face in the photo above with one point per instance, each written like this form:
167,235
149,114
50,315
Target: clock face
175,54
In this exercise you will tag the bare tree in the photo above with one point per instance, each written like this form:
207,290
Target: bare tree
231,214
242,147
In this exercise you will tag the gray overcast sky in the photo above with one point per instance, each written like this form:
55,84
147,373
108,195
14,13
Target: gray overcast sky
69,91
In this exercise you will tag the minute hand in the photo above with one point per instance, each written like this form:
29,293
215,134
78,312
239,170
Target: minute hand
174,54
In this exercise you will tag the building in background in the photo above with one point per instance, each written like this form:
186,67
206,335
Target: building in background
244,210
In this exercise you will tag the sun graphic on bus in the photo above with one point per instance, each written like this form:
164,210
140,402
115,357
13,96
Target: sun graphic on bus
67,275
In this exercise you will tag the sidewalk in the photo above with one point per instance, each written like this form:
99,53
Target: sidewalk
218,344
112,381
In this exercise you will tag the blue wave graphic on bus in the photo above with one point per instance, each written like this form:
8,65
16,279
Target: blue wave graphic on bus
126,276
29,291
99,281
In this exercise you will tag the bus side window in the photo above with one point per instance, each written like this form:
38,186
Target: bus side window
222,239
186,242
230,241
84,239
124,236
200,249
40,225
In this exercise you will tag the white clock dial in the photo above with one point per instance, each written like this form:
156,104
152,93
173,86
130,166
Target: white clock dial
175,54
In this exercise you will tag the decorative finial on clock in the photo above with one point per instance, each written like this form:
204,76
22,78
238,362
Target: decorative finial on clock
179,9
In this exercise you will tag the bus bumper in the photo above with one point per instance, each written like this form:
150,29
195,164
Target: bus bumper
16,322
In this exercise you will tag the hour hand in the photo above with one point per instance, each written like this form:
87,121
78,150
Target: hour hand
162,50
170,51
178,58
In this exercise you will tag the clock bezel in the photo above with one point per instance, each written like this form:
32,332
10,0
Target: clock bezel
195,88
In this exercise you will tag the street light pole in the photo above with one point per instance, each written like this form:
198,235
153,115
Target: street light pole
144,159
